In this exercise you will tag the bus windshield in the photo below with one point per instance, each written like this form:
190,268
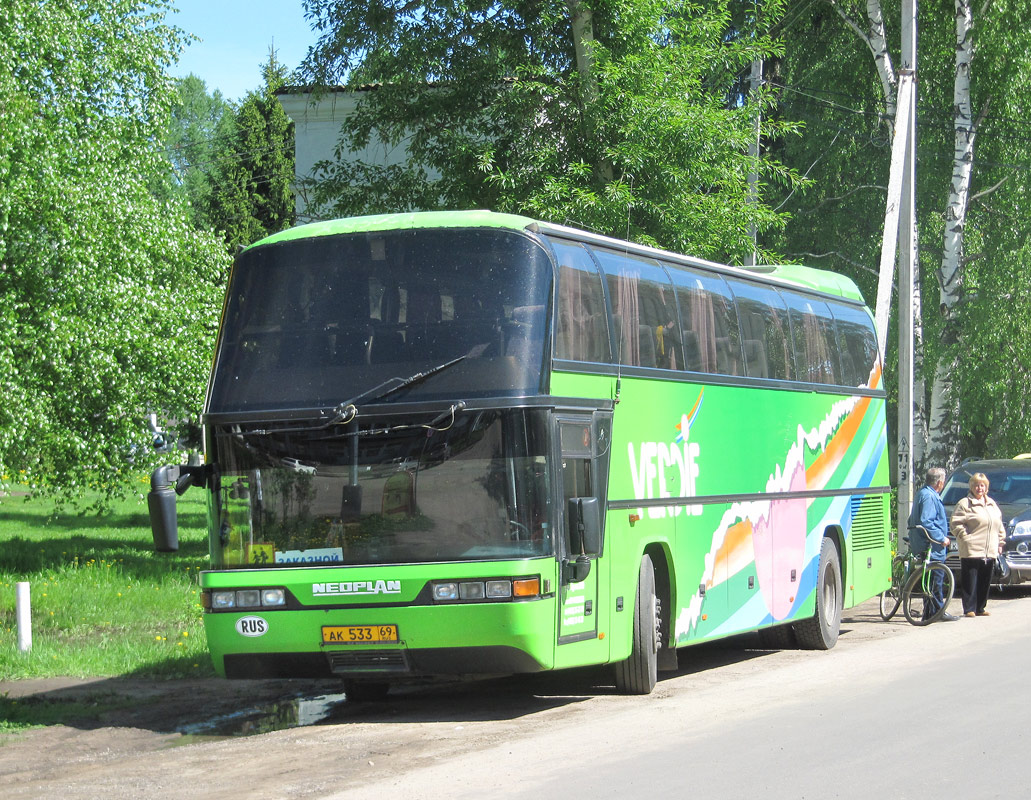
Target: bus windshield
478,490
311,322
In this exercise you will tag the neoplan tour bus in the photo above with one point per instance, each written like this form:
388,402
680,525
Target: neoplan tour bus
470,443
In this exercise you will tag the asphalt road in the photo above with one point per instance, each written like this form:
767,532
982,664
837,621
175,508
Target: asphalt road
914,714
893,711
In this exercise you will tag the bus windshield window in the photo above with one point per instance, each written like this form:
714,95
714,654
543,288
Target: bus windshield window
478,490
312,322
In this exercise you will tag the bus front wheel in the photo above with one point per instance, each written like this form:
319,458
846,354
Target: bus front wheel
820,631
637,675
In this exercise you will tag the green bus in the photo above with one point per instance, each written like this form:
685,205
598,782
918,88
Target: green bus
471,443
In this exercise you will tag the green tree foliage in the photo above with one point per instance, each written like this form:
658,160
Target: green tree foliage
990,334
108,295
827,80
252,169
623,117
233,163
201,126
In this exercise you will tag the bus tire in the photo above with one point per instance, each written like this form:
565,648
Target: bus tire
779,637
820,632
637,675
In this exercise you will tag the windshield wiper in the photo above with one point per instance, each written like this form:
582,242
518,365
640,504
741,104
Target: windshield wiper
374,394
347,411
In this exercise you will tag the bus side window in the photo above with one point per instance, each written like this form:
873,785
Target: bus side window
812,330
577,480
581,324
764,331
856,343
711,336
644,310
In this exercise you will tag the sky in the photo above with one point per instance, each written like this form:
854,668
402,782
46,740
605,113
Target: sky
235,36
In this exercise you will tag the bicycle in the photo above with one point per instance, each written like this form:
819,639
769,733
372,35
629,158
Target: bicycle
913,587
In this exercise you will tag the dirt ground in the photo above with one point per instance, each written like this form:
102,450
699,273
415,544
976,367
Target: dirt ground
121,738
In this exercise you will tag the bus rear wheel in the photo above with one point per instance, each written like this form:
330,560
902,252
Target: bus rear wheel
820,632
637,675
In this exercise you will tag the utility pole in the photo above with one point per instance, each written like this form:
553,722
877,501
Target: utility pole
907,261
900,242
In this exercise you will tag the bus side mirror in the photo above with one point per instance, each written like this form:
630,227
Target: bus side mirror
164,525
584,537
584,526
165,483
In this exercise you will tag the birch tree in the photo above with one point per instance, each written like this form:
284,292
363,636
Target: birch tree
108,295
944,424
973,220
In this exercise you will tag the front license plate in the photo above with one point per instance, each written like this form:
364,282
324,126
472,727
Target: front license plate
359,634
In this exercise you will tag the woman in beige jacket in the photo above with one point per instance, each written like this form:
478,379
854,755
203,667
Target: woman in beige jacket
977,526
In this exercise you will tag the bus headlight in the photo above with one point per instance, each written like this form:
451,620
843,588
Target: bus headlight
273,597
488,589
497,589
223,599
470,590
228,600
248,598
445,591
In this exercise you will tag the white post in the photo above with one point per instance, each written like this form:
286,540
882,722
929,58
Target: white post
23,612
890,240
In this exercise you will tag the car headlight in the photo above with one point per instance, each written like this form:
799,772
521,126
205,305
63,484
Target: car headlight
1022,528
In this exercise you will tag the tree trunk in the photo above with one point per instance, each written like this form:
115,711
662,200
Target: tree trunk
875,38
944,428
581,18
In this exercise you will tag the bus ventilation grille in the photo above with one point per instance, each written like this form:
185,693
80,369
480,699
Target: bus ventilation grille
367,661
867,522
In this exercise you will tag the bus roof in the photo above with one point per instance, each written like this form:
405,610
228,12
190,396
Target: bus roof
819,279
807,277
404,221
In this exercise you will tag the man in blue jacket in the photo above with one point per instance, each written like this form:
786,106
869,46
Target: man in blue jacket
929,513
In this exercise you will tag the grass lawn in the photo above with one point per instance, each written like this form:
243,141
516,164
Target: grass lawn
103,602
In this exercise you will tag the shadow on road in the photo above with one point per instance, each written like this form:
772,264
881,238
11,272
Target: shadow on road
220,708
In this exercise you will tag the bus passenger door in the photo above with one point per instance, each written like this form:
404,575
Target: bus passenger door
583,583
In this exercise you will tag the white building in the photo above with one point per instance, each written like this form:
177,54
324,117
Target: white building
317,121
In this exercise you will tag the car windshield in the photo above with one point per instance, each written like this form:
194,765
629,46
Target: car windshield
1009,487
311,322
478,490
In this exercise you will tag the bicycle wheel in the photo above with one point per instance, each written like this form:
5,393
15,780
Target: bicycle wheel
918,601
890,602
891,598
